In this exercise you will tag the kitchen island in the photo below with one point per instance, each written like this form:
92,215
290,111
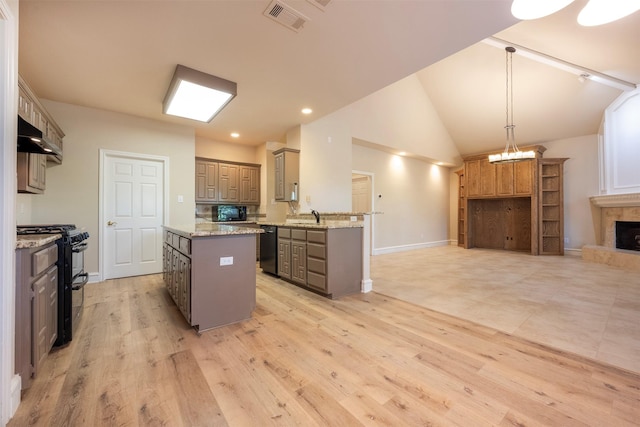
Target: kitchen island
210,272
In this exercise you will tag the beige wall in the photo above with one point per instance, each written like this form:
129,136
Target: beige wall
415,200
225,151
72,194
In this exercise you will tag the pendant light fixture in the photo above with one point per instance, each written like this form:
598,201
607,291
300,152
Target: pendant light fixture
511,151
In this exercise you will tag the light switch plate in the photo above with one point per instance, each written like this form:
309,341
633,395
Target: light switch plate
226,260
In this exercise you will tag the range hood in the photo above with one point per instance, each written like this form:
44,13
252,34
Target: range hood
31,140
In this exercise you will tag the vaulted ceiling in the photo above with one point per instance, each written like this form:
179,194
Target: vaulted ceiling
120,56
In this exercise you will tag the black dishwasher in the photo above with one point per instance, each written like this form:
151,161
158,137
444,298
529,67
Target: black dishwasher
269,249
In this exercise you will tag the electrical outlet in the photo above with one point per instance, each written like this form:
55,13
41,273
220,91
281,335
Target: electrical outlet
226,260
566,240
354,218
180,198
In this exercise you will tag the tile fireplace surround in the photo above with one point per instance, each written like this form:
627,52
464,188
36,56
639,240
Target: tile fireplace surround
606,211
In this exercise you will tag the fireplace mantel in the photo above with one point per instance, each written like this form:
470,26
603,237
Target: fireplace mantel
609,209
616,200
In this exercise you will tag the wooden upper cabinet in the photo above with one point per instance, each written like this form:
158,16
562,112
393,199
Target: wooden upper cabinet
219,182
484,179
228,182
472,174
287,174
487,178
250,185
31,110
504,177
206,181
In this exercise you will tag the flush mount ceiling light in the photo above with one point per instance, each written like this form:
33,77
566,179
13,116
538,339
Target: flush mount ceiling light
195,95
596,12
307,111
511,151
534,9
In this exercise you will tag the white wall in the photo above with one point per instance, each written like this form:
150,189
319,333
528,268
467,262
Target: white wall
581,181
72,193
402,116
415,200
325,165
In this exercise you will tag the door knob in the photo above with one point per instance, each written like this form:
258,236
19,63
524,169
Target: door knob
111,223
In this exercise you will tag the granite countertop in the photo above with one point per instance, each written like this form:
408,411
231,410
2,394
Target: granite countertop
206,229
35,240
325,225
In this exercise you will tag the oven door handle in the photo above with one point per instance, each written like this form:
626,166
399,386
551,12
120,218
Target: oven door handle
78,286
80,248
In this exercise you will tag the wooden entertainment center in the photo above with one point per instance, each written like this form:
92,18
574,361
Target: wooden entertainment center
512,206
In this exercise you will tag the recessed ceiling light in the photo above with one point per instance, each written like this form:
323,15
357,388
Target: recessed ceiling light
307,111
402,153
235,134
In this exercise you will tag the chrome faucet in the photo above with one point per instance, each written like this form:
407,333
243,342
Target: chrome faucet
317,215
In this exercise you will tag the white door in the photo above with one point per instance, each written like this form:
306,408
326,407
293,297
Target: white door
132,214
360,193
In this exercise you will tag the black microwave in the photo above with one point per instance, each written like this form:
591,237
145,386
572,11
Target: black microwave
230,213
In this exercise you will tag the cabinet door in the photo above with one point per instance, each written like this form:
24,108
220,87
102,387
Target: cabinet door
52,309
279,176
472,173
504,179
184,286
249,185
523,177
40,320
284,258
487,178
206,181
228,182
299,261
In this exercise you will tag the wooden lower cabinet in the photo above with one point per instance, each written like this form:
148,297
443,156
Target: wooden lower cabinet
501,224
326,261
36,308
177,271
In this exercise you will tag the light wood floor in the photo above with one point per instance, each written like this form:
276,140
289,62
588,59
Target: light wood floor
367,359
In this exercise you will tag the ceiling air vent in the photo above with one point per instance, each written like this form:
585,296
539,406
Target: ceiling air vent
320,4
285,15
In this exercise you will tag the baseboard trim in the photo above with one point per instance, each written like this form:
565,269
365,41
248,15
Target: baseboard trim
367,286
15,390
403,248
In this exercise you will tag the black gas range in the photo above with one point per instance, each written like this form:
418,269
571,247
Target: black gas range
71,274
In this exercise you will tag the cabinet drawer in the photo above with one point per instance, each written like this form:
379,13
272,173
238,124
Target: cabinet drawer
42,259
315,236
315,265
184,245
284,232
168,237
298,234
317,281
316,250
